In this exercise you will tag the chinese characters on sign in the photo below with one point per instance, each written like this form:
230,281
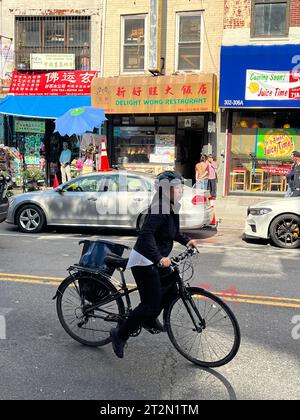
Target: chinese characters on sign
52,83
167,94
52,61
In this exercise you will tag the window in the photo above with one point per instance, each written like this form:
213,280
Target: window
134,28
61,35
188,41
135,184
270,18
89,184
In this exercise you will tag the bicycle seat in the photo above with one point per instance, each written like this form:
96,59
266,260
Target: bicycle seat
116,262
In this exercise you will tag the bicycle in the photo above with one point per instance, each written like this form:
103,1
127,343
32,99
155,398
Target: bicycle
89,303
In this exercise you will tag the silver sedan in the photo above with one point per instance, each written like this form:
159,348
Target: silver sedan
107,199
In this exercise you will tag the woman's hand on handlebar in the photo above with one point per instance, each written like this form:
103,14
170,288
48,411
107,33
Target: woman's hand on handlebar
165,263
193,244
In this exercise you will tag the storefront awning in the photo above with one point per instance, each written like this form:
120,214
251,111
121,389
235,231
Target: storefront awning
50,107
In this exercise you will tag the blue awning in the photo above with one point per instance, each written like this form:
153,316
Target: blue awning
50,107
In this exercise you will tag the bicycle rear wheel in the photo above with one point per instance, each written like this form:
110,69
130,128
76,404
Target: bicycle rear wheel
75,296
219,339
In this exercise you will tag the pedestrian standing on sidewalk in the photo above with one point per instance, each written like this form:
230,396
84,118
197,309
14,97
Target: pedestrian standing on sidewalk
296,187
201,173
290,176
65,161
212,176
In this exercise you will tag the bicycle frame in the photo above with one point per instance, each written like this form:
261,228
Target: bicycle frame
187,300
125,292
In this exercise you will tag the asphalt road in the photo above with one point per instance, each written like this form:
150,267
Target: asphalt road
39,361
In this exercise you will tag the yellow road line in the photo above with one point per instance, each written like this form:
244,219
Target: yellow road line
238,298
52,283
256,296
30,276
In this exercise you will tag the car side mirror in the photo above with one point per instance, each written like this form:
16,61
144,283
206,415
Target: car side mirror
60,190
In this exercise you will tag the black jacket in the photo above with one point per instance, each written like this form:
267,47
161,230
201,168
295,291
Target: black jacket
158,234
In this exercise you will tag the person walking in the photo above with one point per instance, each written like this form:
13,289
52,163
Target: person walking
155,242
212,176
201,173
296,185
65,161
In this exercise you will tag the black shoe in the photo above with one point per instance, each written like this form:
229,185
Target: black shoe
117,343
154,326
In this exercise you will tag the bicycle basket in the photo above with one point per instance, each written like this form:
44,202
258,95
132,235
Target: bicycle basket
95,252
93,256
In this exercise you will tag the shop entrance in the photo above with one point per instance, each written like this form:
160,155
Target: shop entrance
190,143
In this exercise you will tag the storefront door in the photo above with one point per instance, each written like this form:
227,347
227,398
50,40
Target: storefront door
189,147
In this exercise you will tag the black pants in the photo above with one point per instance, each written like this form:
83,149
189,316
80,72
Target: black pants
212,186
155,293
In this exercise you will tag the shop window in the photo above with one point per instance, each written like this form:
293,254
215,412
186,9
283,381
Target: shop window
166,120
51,35
144,145
144,120
261,146
133,43
188,41
270,18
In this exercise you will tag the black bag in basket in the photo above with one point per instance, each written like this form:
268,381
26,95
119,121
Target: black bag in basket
93,256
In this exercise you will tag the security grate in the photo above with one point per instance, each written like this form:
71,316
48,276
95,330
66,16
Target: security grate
54,35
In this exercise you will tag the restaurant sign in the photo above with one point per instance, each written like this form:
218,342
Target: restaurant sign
148,94
276,144
55,83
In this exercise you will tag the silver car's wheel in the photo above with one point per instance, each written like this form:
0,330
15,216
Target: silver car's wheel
30,219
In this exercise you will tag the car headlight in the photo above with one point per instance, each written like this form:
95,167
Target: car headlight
259,212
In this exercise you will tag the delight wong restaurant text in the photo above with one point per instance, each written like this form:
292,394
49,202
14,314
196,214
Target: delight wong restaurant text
163,94
157,123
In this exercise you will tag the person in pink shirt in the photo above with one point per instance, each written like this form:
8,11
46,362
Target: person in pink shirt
212,176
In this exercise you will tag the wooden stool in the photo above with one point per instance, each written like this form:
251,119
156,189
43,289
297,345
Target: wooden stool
257,180
239,178
277,181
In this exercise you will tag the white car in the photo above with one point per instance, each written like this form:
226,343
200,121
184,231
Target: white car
278,220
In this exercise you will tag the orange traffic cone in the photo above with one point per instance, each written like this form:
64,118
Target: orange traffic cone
103,161
214,222
55,183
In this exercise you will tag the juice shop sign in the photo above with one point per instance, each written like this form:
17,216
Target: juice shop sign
275,144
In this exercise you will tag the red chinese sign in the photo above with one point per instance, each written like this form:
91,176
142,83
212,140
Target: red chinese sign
52,83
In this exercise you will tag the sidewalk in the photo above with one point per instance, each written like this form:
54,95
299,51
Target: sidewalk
232,210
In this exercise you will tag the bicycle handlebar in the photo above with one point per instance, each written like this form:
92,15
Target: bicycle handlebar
181,257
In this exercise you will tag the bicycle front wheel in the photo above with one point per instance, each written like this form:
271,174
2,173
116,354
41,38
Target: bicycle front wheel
214,340
75,296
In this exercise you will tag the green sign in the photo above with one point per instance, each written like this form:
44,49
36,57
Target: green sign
275,144
27,126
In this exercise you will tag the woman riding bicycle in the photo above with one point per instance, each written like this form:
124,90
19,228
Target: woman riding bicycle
152,249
